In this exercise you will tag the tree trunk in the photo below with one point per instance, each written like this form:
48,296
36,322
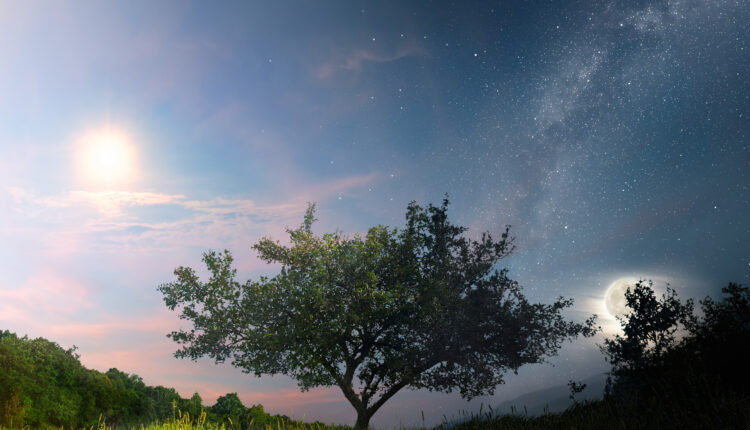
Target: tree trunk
363,420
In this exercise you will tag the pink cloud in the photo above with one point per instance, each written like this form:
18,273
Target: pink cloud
50,293
282,397
161,323
148,360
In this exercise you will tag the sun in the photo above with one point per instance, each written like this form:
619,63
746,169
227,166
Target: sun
106,158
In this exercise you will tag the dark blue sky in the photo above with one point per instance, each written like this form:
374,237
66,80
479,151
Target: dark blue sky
612,136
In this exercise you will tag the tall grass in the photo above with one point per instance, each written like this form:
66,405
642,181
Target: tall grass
186,422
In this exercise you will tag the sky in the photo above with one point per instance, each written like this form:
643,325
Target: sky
612,136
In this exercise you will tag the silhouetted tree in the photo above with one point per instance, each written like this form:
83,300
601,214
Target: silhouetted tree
719,339
575,387
422,307
649,327
683,368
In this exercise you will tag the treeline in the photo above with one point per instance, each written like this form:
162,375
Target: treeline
43,384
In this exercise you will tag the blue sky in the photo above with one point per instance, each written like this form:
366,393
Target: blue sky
612,136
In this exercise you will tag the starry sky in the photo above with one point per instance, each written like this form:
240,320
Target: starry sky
612,136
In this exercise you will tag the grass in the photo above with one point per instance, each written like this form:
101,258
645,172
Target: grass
725,413
610,414
185,422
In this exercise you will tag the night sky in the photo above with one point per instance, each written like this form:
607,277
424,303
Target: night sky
611,136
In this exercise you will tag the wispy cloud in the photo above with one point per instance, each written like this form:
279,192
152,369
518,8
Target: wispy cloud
111,203
114,229
357,59
95,212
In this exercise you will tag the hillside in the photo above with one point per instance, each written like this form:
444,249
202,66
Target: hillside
553,399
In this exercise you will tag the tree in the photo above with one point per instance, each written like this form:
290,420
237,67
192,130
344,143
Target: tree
228,405
193,407
649,327
421,307
16,375
666,347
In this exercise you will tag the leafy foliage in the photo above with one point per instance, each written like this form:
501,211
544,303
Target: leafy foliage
42,384
421,307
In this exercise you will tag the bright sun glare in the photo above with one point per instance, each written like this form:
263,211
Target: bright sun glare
106,158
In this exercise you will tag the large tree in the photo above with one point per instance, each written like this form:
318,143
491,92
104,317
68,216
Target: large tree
419,307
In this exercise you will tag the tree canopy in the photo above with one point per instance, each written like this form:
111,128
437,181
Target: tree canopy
419,307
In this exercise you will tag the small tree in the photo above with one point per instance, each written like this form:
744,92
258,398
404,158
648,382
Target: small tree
422,307
229,406
193,406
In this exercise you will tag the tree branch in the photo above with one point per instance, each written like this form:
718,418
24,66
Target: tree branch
388,394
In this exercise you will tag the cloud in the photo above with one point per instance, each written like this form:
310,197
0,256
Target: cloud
160,323
95,212
74,253
124,229
111,203
86,264
294,397
108,203
47,293
356,60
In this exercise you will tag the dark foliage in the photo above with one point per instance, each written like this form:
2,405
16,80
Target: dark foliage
575,388
677,366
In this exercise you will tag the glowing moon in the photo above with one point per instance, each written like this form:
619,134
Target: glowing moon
614,299
106,158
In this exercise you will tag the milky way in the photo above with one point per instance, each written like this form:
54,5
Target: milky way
612,136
